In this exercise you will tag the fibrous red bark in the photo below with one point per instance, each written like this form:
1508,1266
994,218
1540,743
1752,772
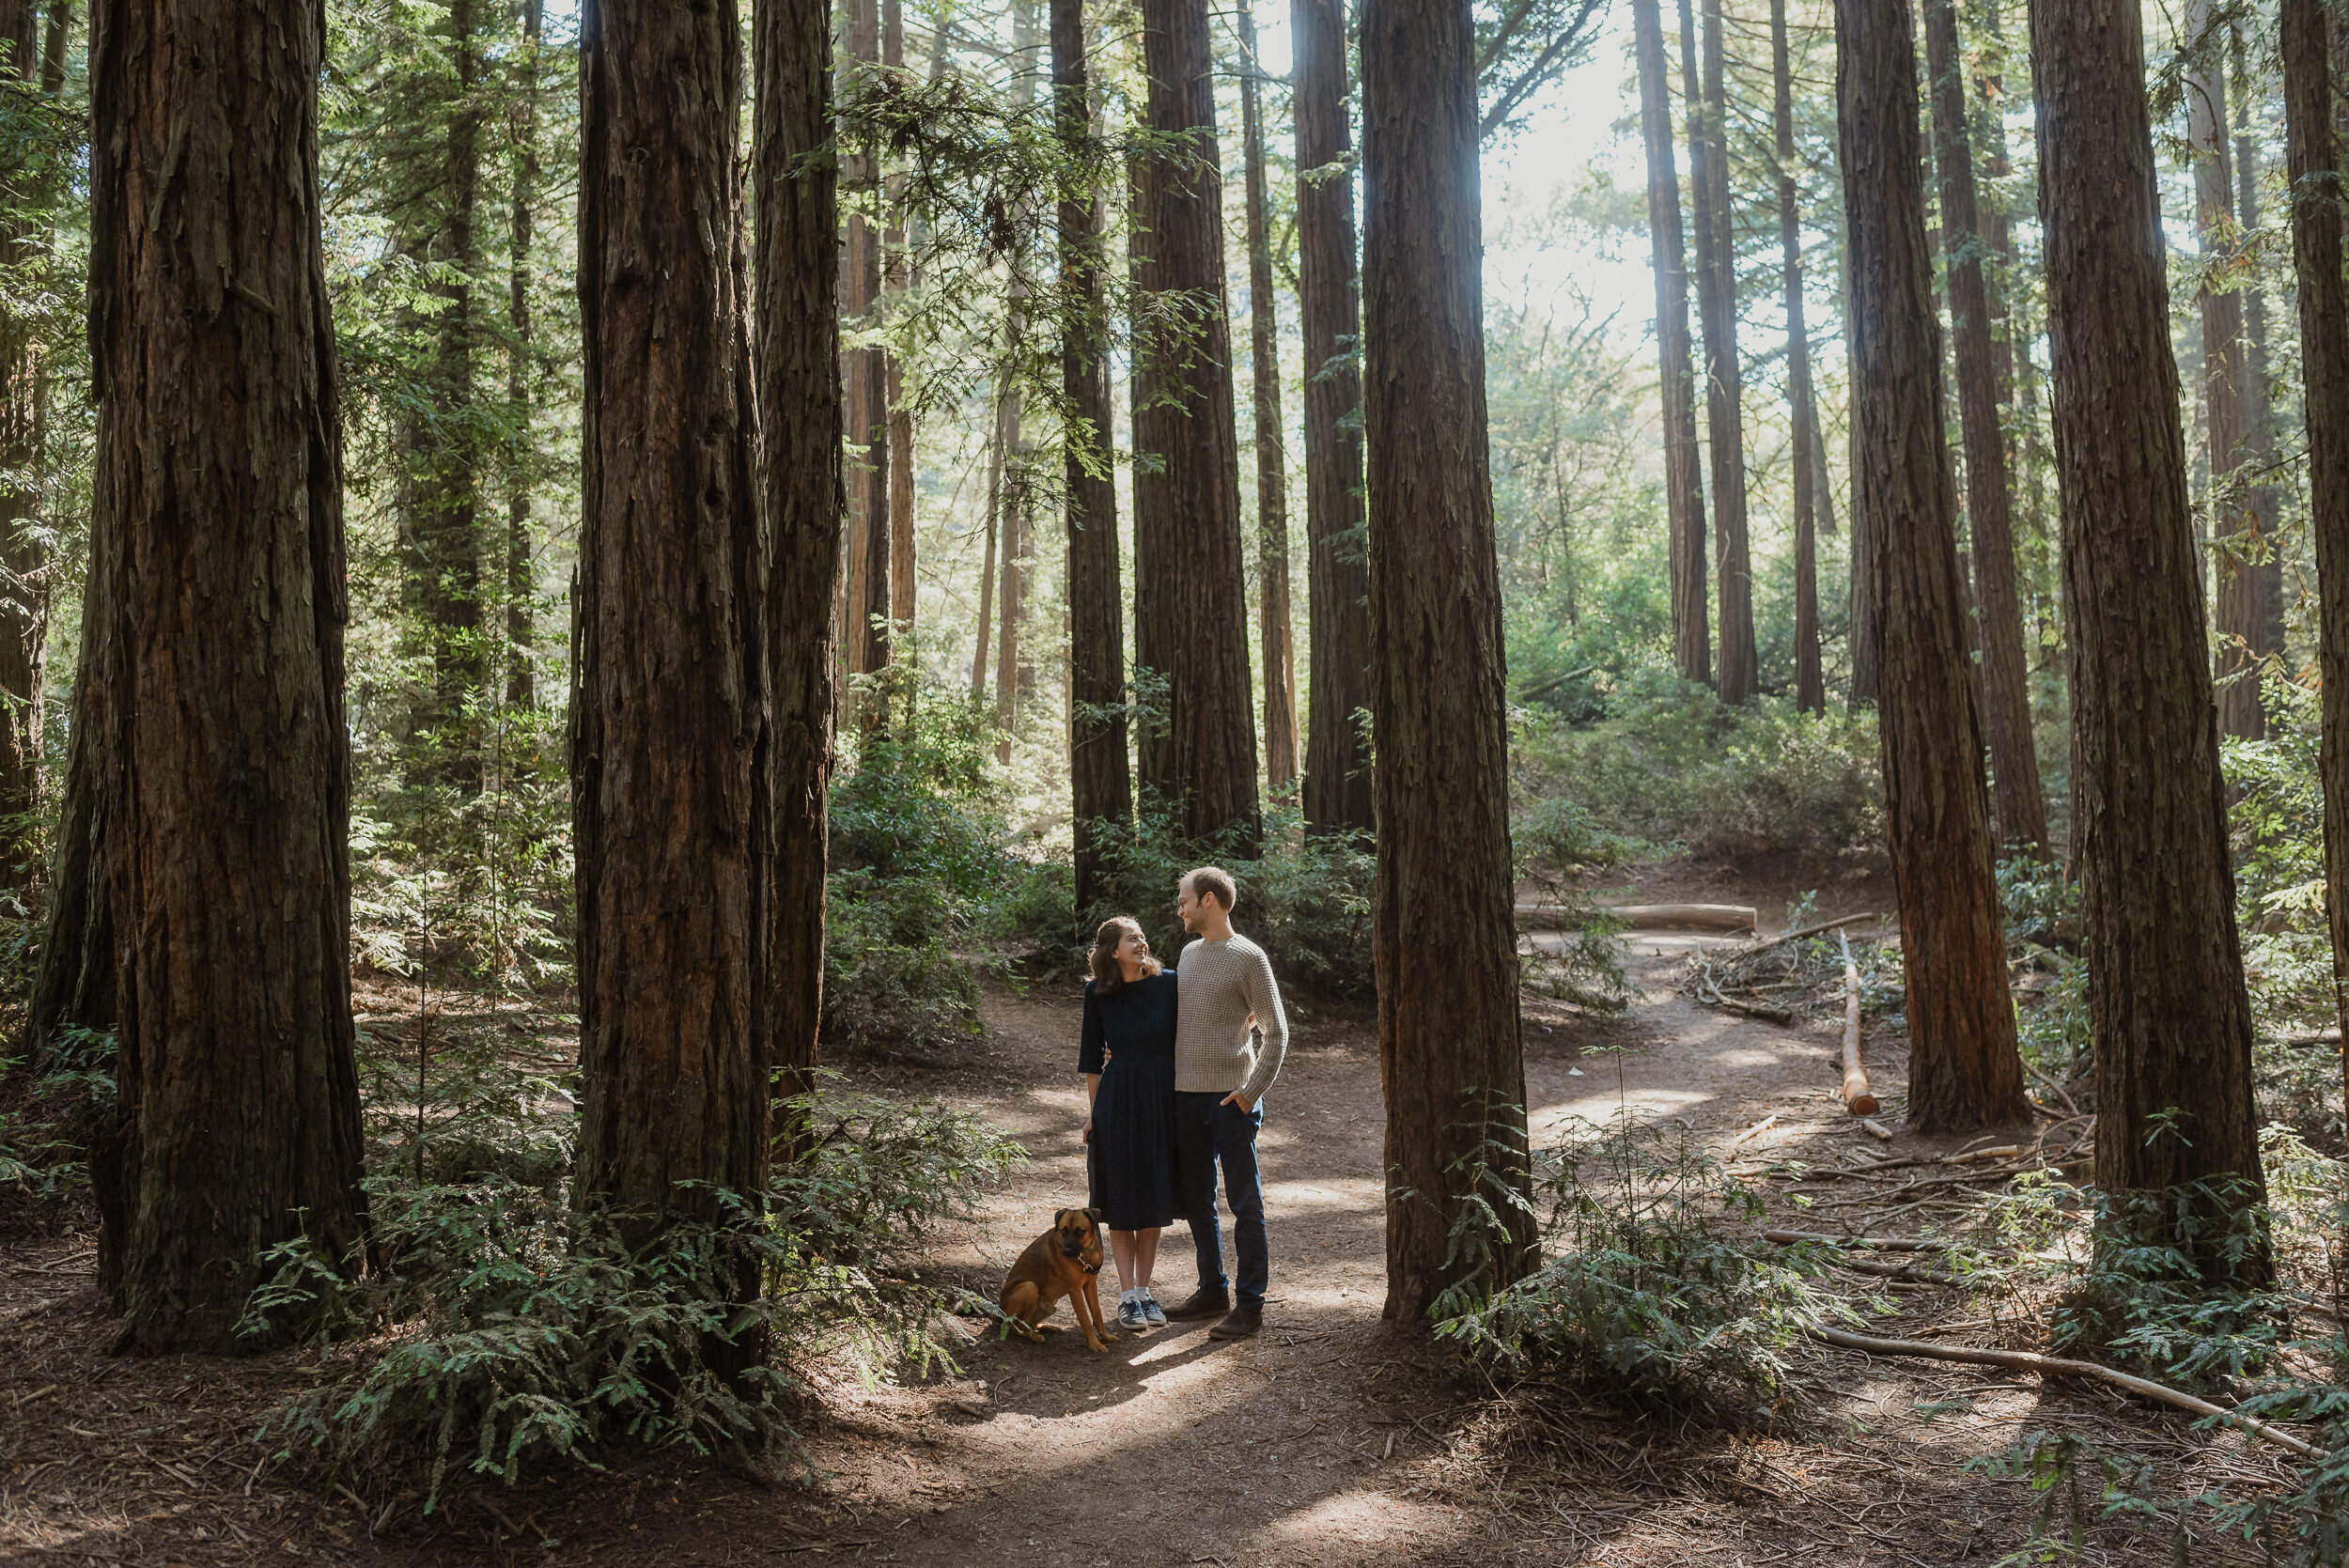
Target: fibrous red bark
1964,1071
2167,1010
1451,1053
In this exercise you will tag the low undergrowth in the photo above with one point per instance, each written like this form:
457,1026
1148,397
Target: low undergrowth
497,1330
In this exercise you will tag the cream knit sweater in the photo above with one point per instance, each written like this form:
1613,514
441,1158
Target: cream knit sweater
1218,985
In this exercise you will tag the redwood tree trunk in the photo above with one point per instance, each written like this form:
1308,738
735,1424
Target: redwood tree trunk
869,403
1684,482
2259,418
1190,596
1963,1068
673,812
1444,946
1733,572
1100,788
211,755
2022,812
896,279
521,581
2234,525
2314,162
23,597
1337,756
1279,662
2167,1011
800,480
1810,684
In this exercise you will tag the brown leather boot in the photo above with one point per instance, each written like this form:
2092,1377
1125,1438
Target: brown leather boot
1198,1303
1241,1324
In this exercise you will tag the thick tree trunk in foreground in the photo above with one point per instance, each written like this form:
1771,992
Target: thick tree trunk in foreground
1451,1054
1810,684
23,596
2022,812
1100,788
672,752
210,800
1963,1068
2234,526
1279,662
1337,756
1684,482
1725,380
2167,1007
2313,161
799,409
1190,595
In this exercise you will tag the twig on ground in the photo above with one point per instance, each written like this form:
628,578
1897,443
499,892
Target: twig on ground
1857,1097
1799,932
2057,1366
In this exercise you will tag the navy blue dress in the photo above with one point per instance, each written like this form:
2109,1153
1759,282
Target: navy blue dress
1133,1115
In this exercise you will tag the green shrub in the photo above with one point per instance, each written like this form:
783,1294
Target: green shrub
1651,1289
501,1330
1673,765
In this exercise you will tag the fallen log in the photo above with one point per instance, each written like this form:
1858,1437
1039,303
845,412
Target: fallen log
1856,1098
1645,917
2058,1366
1885,1243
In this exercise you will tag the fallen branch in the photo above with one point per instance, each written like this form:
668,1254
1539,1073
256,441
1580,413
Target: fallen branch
2057,1366
1785,936
1883,1243
1764,1124
1857,1097
2051,1084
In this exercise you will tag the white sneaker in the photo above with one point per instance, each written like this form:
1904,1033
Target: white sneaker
1152,1310
1131,1317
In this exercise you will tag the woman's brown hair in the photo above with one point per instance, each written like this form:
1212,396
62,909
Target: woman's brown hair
1107,974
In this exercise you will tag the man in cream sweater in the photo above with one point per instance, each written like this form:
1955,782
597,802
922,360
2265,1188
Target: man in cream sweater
1225,995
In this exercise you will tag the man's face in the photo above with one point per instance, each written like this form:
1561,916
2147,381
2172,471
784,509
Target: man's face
1190,907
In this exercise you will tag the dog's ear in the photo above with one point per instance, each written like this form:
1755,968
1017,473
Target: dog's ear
1094,1215
1058,1215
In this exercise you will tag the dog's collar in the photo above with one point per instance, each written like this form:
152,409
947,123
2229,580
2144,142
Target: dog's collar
1093,1268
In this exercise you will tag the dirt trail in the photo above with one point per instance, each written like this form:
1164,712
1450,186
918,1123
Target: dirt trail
1330,1440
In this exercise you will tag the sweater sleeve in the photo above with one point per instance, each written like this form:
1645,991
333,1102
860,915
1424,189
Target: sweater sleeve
1264,999
1093,1041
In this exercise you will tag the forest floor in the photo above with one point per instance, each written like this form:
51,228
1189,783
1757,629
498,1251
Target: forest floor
1330,1439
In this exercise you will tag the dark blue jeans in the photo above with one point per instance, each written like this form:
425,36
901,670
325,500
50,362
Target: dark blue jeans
1205,1131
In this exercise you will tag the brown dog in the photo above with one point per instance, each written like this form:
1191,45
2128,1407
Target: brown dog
1065,1260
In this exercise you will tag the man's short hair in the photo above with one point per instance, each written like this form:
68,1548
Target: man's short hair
1213,880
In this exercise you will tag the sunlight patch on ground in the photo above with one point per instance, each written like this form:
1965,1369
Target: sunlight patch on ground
1360,1516
1601,1108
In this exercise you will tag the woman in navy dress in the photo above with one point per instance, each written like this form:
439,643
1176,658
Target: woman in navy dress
1127,1060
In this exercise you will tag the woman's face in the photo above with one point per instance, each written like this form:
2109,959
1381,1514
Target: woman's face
1133,951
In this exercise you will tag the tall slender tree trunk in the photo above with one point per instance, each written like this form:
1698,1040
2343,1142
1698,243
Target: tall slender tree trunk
902,595
2167,1011
870,600
1963,1068
2313,158
2258,420
1190,596
1101,787
676,877
1279,660
204,899
1011,599
2022,810
522,579
1810,683
1337,789
2233,524
1732,568
1684,479
987,566
800,480
25,595
1451,1053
